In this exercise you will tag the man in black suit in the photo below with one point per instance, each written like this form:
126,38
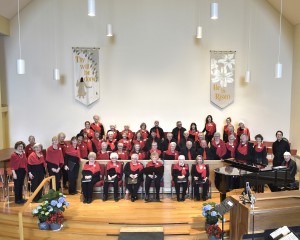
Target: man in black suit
189,151
178,132
159,131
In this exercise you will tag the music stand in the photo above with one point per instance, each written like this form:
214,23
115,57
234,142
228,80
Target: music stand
223,208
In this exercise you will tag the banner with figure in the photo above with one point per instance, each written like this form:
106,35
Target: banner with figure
222,77
86,74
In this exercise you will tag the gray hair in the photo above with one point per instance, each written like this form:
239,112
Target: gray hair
114,155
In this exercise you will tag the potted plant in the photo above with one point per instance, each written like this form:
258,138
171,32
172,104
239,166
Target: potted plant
214,232
55,220
211,214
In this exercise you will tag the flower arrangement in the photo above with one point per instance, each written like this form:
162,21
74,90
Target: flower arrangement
214,230
57,217
211,214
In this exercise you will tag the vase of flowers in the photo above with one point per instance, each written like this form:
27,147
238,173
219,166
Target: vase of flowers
214,232
211,214
55,221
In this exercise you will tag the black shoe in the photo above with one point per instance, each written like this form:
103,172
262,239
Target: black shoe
204,198
135,197
104,198
178,199
85,200
132,199
147,198
18,202
197,198
23,201
182,199
89,200
116,199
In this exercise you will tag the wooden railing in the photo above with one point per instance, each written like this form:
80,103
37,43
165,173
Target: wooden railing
22,210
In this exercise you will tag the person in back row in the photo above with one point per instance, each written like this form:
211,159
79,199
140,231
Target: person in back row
159,131
279,147
178,132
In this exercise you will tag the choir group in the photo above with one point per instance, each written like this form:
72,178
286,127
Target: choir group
62,158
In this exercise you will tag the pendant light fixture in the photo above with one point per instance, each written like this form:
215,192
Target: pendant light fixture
248,73
20,61
278,67
56,73
109,32
199,27
91,8
214,10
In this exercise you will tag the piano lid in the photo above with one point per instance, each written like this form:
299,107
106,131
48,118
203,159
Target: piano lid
248,167
230,171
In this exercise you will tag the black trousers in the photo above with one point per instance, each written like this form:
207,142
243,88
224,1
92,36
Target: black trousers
205,189
65,176
38,172
208,138
133,188
57,175
156,184
18,184
87,187
115,185
72,176
177,188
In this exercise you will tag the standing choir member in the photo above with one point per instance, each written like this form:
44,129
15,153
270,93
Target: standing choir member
178,132
63,145
242,130
218,146
96,142
103,154
129,133
143,130
171,154
72,161
244,151
193,133
159,131
97,126
84,151
230,147
279,147
55,161
88,130
29,148
260,151
133,176
36,169
210,128
114,175
225,131
200,175
18,163
153,177
180,174
116,133
90,175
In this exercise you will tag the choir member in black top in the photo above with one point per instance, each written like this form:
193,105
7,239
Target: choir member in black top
218,146
116,133
114,172
205,151
178,132
97,126
244,151
201,136
133,176
279,147
171,154
260,151
143,130
184,139
167,141
242,130
111,141
200,176
159,131
210,128
225,131
189,151
18,163
180,174
230,147
290,164
36,169
152,138
90,176
193,133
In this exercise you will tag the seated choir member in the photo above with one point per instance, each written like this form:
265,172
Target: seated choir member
231,132
166,143
36,169
63,145
138,138
72,161
260,151
116,133
178,132
29,148
244,151
180,174
96,142
205,151
114,175
133,176
55,162
103,154
152,177
159,131
154,149
200,176
111,141
126,142
218,146
242,130
90,175
84,151
189,151
138,150
201,136
193,133
97,126
123,155
151,139
279,147
171,154
291,167
129,133
210,128
87,141
143,130
184,139
88,130
230,147
225,131
18,163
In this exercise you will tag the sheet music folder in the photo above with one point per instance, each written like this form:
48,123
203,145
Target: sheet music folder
224,206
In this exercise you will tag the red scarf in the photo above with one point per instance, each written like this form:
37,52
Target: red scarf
122,155
157,133
18,161
137,166
55,156
195,134
75,152
210,128
129,134
189,154
141,142
117,167
259,149
90,132
111,143
221,150
144,133
96,127
204,154
231,148
178,135
182,169
243,149
97,143
152,164
201,170
175,154
93,168
33,159
226,129
103,156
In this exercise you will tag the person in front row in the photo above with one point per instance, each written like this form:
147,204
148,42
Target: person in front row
90,175
200,175
152,177
133,176
114,175
292,168
180,174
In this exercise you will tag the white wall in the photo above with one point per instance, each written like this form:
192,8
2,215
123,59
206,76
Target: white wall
154,68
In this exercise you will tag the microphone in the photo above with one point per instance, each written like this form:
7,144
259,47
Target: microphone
249,193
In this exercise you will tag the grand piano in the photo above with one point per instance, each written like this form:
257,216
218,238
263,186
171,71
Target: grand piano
237,173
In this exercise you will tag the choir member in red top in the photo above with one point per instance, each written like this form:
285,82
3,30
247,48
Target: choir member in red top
153,177
180,174
55,161
154,149
189,151
159,131
114,175
123,155
133,176
103,154
205,151
116,133
18,163
200,175
210,128
84,151
90,175
88,142
178,132
96,142
225,131
231,132
171,154
244,151
138,150
138,138
36,169
72,161
129,133
242,130
166,143
88,130
218,147
97,126
63,145
260,151
143,130
111,141
126,142
193,133
29,148
230,147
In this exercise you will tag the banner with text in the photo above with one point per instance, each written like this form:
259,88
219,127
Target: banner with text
222,77
86,74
